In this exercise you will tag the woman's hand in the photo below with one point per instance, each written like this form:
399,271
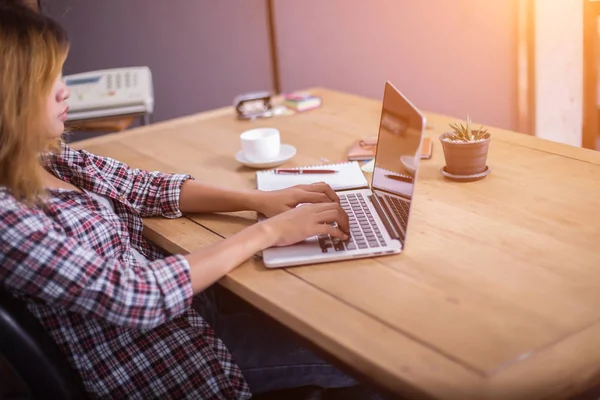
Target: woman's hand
210,263
305,221
278,201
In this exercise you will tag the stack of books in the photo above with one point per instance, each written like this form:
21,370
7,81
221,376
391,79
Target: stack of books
299,101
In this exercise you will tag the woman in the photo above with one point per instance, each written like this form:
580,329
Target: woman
71,246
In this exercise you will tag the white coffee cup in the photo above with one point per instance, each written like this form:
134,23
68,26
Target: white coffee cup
260,144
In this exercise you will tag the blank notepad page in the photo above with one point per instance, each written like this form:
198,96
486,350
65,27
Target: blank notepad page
349,176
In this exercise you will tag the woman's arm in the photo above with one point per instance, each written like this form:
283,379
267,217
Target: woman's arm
150,193
211,263
39,260
198,197
154,193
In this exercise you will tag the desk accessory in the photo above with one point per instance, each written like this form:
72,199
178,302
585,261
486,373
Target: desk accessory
348,176
426,148
286,152
260,144
253,105
300,171
368,166
109,93
465,152
364,149
401,178
300,101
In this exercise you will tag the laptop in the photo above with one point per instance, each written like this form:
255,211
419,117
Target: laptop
379,215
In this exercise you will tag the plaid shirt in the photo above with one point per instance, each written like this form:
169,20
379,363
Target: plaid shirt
127,327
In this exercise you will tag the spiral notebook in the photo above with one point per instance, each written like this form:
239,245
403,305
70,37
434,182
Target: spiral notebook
349,176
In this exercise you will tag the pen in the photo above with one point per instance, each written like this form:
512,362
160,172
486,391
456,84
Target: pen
301,171
401,178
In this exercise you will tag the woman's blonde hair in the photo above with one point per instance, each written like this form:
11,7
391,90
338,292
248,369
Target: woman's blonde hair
33,49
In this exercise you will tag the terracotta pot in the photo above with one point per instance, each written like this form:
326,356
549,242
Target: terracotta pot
465,158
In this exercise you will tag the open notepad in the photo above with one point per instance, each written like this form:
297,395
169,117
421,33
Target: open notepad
349,176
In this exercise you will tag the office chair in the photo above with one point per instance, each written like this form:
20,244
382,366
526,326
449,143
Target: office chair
33,355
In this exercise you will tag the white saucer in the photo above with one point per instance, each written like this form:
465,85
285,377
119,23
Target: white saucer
286,152
409,164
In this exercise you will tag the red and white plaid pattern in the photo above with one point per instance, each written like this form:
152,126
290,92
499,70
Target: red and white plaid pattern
126,327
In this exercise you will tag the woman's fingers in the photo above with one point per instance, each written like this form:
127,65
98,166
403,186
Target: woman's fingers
308,220
334,214
313,197
326,229
322,187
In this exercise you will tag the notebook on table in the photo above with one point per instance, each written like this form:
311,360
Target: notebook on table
378,214
349,176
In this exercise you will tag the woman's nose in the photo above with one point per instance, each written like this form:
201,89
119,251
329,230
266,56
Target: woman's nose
64,94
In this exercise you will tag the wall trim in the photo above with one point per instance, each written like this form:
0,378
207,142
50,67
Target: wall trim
526,67
273,46
591,12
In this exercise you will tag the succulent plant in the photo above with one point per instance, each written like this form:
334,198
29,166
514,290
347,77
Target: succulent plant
463,133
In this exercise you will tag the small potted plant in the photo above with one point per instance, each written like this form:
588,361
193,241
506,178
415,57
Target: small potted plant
465,151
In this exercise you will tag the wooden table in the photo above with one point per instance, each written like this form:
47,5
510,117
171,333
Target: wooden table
108,124
497,295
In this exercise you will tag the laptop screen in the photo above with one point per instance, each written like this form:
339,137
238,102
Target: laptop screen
398,146
396,160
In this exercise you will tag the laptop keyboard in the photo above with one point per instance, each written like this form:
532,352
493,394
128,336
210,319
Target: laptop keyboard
399,209
364,232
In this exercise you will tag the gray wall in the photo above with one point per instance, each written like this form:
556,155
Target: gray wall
456,57
202,53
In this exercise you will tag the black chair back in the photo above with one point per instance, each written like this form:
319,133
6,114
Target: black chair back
32,353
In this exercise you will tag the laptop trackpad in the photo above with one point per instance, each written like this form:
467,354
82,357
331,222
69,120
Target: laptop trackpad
307,249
